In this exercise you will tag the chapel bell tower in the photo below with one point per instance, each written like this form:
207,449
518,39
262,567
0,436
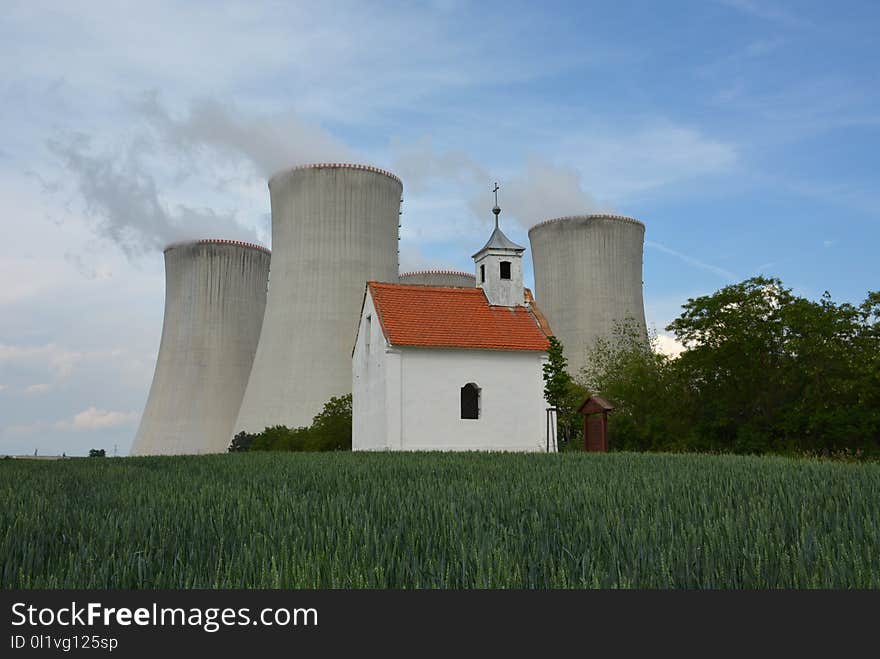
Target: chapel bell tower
499,267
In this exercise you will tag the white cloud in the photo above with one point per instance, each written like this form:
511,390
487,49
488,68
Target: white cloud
413,258
60,361
148,40
768,11
25,429
349,62
94,419
669,345
860,197
621,166
25,278
91,418
37,388
644,158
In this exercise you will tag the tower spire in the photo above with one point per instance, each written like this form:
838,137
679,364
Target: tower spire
499,266
496,208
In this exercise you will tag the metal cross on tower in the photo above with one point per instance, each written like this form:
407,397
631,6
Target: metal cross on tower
496,209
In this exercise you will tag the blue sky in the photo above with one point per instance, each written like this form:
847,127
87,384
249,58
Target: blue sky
744,134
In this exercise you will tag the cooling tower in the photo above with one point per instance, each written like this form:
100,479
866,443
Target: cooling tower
588,275
215,296
334,227
450,278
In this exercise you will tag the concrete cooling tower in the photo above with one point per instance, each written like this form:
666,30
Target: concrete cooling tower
215,296
334,227
449,278
588,275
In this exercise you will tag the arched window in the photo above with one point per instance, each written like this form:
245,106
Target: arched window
483,274
505,269
470,401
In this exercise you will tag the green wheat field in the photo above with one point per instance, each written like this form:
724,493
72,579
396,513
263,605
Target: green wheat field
431,520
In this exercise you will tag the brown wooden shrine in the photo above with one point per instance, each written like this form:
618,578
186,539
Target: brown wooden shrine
595,412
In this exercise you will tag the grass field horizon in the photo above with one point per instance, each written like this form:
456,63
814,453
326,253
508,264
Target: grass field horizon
439,520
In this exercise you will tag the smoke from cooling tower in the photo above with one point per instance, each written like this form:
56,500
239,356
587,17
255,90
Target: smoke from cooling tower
122,198
270,143
214,146
419,163
542,189
121,190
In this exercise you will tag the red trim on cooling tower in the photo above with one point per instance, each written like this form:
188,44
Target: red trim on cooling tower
346,165
461,273
591,216
218,241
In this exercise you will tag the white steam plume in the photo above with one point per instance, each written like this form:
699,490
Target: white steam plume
120,194
270,143
540,190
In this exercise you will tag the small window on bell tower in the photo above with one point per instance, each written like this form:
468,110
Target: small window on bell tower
505,269
482,274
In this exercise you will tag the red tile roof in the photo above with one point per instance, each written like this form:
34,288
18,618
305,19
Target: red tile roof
452,318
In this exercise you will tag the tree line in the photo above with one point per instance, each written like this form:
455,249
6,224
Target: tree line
763,371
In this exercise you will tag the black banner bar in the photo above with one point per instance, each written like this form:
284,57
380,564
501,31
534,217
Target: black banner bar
180,623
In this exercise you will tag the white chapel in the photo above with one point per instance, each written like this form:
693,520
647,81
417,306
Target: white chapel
452,369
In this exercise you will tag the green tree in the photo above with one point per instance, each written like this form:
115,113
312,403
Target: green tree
639,381
331,428
563,393
776,372
556,378
97,453
330,431
241,442
764,371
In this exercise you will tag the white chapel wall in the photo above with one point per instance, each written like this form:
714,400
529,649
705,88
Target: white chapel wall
512,415
369,409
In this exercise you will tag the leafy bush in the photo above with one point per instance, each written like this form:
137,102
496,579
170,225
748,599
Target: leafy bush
242,442
330,431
